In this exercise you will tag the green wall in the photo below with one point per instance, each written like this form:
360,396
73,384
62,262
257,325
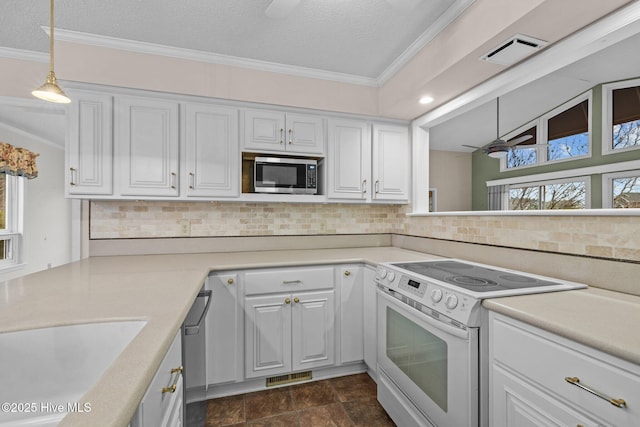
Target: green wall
484,168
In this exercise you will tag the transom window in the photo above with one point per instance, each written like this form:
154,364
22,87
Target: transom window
560,135
621,116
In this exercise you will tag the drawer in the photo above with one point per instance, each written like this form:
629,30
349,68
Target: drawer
545,360
288,280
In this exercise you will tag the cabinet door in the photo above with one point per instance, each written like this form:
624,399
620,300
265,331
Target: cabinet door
517,403
160,405
370,320
212,157
224,331
391,165
148,144
312,331
304,134
90,144
351,314
264,130
349,159
267,335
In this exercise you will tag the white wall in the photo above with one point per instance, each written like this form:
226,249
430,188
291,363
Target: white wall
47,214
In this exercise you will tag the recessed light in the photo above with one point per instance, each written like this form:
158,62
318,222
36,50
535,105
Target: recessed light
426,100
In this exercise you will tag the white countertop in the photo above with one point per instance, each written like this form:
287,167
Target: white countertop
161,288
157,288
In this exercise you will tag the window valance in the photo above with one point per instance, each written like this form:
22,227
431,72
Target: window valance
17,161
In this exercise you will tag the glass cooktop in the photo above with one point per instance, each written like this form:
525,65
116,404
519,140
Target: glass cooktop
473,277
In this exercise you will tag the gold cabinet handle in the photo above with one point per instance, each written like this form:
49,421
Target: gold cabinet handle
347,273
377,186
172,179
191,180
619,403
287,300
364,186
296,300
172,388
230,281
290,136
281,138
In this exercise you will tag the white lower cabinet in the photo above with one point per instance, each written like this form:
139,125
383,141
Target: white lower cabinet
351,313
370,321
289,332
162,404
537,378
224,345
289,320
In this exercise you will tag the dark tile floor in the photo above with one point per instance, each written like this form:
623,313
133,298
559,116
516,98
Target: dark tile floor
342,402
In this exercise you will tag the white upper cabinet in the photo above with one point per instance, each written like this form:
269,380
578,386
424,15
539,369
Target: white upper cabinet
366,168
274,131
89,144
147,146
391,165
348,159
211,150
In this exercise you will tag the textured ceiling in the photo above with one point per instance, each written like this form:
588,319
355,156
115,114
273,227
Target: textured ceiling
356,37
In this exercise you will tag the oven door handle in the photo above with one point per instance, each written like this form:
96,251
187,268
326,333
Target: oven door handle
448,329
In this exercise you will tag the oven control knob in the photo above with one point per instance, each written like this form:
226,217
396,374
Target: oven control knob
451,301
383,273
391,276
436,295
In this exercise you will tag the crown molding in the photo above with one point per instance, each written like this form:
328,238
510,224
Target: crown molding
25,55
440,24
207,57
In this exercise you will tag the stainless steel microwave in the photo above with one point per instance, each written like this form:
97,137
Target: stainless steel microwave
285,175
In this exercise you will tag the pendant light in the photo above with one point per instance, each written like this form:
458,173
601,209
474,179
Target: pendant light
50,91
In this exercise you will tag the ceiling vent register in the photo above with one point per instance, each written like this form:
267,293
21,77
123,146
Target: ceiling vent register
513,50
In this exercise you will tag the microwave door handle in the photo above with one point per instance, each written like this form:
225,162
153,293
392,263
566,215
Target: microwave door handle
194,329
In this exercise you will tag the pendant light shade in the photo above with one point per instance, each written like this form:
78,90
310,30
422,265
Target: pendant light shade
50,91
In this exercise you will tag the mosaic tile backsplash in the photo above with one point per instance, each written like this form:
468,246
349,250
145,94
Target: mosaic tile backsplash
615,237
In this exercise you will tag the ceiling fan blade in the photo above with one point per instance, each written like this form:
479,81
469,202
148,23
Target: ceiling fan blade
281,8
517,141
471,146
524,147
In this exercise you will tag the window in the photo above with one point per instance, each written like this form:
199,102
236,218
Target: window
622,190
10,220
560,135
621,121
565,194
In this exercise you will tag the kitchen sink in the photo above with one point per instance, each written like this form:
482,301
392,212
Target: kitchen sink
46,371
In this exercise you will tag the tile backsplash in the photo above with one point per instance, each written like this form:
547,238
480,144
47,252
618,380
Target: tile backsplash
611,237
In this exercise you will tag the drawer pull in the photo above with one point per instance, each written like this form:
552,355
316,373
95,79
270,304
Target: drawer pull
172,387
291,282
230,281
620,403
347,273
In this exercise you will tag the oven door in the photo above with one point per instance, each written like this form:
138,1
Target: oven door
432,364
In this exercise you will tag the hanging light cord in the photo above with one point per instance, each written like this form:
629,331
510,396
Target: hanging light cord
51,38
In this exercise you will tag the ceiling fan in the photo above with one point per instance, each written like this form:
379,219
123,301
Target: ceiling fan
282,8
499,147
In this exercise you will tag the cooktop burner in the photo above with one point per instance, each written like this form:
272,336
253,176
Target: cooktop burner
473,277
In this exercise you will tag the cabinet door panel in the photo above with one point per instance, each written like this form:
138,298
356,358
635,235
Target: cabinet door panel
267,335
304,134
351,315
313,329
90,144
349,152
224,331
212,151
391,166
264,130
148,146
